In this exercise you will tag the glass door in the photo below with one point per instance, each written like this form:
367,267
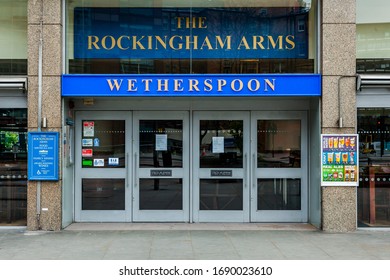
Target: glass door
161,166
13,167
221,166
102,167
279,167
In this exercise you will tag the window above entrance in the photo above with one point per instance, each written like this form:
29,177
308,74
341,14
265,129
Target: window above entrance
231,37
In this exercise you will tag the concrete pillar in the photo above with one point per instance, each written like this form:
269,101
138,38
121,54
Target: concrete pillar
50,12
338,62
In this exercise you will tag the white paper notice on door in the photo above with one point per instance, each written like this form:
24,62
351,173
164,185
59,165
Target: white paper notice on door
88,129
161,142
218,145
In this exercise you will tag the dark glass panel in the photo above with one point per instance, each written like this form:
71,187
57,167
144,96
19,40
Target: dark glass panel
161,194
221,143
161,143
13,167
279,143
221,194
103,144
279,194
103,194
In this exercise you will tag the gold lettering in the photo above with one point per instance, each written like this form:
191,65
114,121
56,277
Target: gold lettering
194,22
162,84
207,43
150,42
179,21
202,22
270,84
137,42
208,85
115,85
119,43
228,41
93,42
131,85
221,84
162,42
273,43
257,85
258,41
178,85
147,82
188,42
171,43
290,41
243,43
188,22
240,83
104,45
193,84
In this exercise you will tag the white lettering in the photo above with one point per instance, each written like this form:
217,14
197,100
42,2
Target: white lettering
240,83
131,85
221,84
115,85
257,85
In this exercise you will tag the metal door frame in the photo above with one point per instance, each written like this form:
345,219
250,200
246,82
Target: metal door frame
271,173
237,173
183,173
123,173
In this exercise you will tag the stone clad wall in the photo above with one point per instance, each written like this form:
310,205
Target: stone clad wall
338,65
51,14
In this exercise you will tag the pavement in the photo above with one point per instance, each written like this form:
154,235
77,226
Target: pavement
112,241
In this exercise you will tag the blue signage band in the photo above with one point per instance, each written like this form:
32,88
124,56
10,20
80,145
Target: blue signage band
152,85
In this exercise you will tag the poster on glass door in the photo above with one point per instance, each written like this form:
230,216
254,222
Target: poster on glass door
340,160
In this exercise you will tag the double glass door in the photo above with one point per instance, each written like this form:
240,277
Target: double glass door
132,167
200,166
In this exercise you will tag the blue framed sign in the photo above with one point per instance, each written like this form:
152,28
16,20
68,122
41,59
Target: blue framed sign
199,33
43,156
192,85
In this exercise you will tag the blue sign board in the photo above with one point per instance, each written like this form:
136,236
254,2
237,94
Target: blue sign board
192,85
43,156
198,33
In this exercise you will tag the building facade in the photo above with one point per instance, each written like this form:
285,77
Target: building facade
176,112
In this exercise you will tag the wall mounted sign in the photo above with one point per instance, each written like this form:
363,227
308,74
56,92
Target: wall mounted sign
43,156
221,173
189,85
160,33
161,173
340,160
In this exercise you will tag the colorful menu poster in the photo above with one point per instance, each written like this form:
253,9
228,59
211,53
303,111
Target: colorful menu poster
340,159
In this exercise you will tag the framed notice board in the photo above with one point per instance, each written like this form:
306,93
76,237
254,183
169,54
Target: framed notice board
43,153
340,160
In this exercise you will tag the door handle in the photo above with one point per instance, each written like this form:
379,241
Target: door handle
254,170
127,170
135,170
246,179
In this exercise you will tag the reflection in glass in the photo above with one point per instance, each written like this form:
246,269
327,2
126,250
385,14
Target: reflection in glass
221,143
161,194
13,167
373,192
103,194
372,36
161,143
226,20
103,144
221,194
279,194
279,143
